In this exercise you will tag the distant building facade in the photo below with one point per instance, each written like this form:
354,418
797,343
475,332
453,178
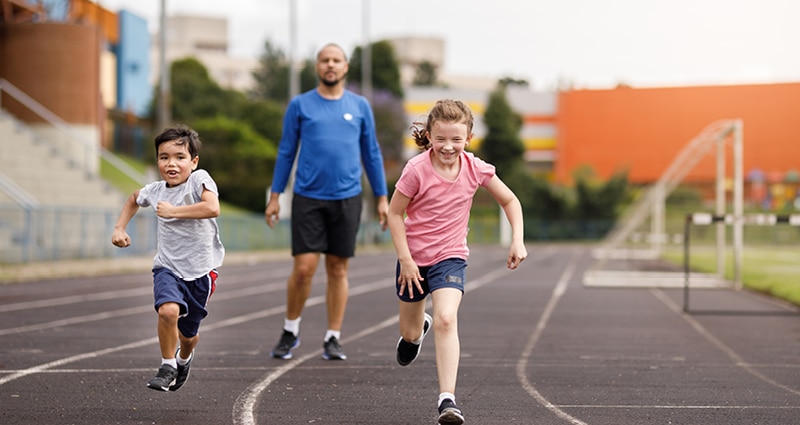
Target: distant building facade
205,39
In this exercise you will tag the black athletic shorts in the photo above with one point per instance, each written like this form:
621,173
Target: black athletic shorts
324,226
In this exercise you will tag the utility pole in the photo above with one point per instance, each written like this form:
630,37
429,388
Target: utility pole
366,56
294,77
164,86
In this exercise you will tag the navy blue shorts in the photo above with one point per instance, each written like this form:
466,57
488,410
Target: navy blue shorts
191,295
449,273
325,226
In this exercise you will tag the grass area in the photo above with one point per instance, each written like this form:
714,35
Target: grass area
117,178
771,269
126,185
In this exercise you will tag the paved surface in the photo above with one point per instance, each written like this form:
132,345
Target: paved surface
538,347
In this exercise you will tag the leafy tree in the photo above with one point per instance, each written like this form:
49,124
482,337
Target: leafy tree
239,159
385,68
387,101
502,145
265,117
239,135
425,74
272,77
596,200
196,95
390,127
509,81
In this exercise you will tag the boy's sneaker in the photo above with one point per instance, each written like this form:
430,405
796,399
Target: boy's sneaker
449,413
332,350
183,372
164,378
285,346
407,352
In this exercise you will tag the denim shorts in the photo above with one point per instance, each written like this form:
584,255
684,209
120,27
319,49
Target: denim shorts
191,295
449,273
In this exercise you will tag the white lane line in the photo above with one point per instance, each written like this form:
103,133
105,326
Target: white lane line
676,407
522,364
219,295
244,407
75,358
136,344
75,299
733,355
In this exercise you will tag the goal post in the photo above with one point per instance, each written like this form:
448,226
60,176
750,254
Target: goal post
640,234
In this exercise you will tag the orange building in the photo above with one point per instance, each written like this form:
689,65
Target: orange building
642,130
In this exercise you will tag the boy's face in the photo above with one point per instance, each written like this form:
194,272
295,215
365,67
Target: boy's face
175,163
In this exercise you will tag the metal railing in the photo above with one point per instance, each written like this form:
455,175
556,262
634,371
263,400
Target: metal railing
90,151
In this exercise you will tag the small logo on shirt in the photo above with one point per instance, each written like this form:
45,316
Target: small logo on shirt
348,116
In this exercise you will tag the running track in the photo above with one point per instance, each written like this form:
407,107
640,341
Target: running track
537,348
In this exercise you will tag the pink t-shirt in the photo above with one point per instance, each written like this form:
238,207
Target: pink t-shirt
437,217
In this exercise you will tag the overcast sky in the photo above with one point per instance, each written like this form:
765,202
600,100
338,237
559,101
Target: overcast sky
591,43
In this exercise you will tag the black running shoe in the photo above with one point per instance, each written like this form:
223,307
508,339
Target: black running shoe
449,413
183,372
332,350
164,378
407,352
285,346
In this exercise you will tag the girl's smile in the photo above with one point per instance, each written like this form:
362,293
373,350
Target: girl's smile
448,140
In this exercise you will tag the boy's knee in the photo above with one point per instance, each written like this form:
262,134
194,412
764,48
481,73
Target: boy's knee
169,311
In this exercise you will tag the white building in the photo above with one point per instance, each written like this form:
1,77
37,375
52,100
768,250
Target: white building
206,39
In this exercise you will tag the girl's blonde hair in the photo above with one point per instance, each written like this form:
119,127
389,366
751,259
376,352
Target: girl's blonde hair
447,110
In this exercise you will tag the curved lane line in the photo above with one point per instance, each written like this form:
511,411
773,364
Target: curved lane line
522,363
733,355
243,408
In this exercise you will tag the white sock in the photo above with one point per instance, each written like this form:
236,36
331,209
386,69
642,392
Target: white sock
180,360
443,396
292,326
332,333
171,362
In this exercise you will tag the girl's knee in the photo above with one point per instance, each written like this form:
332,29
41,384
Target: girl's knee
444,322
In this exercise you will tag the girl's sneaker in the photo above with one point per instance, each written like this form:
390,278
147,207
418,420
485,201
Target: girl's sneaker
449,413
407,352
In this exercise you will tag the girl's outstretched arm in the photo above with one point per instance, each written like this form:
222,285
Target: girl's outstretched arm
513,209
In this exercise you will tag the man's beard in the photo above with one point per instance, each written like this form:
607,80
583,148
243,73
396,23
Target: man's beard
331,83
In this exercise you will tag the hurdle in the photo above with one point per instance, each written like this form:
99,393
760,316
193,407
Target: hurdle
737,221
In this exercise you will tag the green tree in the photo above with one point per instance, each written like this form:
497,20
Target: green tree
426,75
502,145
239,135
272,76
598,200
390,127
385,68
387,101
238,158
265,117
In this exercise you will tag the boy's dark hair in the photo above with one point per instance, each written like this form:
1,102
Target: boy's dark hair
181,135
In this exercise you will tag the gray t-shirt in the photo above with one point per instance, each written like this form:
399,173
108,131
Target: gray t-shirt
190,248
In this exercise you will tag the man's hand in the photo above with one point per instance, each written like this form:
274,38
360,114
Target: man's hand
271,213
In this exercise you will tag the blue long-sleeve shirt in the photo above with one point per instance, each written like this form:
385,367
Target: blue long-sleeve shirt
331,139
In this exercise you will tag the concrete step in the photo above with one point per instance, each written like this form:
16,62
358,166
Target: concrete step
38,169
